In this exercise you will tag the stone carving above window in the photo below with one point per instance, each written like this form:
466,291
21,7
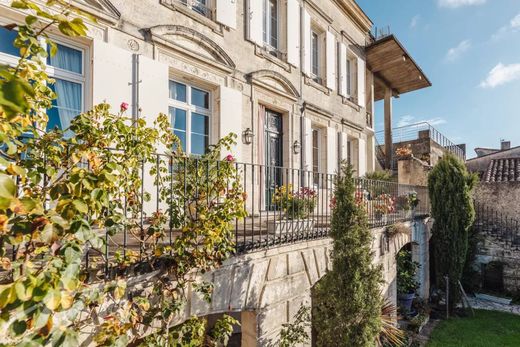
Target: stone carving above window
276,81
97,7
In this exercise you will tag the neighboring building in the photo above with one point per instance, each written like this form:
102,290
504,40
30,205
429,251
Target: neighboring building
485,156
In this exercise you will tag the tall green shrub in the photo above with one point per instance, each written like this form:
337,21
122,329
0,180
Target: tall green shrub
450,186
347,302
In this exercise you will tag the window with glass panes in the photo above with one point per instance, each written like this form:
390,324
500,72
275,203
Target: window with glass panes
190,111
270,25
66,68
316,155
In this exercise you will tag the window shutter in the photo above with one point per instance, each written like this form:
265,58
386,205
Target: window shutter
343,145
227,13
331,60
361,82
307,132
255,22
307,43
231,117
332,150
293,33
362,159
343,69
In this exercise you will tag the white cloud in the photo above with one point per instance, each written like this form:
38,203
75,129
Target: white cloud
460,3
513,26
410,120
415,21
501,74
457,51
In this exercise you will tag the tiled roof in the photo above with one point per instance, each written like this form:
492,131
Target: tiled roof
503,170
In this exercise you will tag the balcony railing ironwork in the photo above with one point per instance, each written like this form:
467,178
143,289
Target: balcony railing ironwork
284,205
497,226
419,131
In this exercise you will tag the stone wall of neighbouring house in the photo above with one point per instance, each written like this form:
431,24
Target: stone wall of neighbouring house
413,171
503,197
490,250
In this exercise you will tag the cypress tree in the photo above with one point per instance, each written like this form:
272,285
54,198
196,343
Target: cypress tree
450,185
347,301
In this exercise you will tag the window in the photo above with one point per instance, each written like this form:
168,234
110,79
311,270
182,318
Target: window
316,155
199,6
189,111
270,24
67,68
315,54
349,152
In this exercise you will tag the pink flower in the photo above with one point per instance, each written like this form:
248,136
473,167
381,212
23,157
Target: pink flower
229,157
124,106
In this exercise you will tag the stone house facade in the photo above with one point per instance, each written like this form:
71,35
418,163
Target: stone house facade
290,73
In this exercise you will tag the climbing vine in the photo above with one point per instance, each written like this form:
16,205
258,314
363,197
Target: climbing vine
64,200
347,309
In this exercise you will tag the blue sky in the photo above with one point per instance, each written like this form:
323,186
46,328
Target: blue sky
470,50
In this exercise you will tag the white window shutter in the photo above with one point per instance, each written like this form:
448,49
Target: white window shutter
343,145
293,33
227,13
231,118
331,60
342,69
362,159
361,82
307,68
332,150
255,21
307,132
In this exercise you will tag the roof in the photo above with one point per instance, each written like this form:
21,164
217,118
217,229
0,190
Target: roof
394,68
503,170
499,152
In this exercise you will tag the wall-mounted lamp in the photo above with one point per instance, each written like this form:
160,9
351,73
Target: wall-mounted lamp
297,147
247,136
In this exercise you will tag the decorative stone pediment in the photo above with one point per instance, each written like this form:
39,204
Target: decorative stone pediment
98,8
190,41
274,80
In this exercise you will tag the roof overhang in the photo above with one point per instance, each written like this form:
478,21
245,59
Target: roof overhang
393,68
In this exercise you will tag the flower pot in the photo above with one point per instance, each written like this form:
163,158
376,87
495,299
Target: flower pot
405,301
288,226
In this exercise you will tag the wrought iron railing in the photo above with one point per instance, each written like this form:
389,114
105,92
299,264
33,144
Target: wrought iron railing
284,205
498,226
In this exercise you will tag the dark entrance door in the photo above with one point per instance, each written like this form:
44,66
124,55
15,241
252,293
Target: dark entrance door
273,152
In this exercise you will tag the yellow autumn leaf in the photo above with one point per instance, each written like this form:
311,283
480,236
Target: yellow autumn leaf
52,299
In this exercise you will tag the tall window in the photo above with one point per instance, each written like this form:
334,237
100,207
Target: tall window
190,111
200,6
270,17
315,51
351,76
316,155
66,67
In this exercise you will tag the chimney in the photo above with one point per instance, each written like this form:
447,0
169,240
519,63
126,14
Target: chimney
505,145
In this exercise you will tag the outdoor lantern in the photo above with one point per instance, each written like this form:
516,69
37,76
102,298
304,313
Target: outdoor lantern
297,147
247,136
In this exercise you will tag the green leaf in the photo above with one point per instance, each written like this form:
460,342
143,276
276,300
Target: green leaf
80,206
52,299
22,292
7,187
70,277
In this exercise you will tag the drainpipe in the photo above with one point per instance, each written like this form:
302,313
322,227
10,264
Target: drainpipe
300,101
136,108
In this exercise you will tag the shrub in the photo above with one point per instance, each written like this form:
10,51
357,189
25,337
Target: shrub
406,272
295,204
346,301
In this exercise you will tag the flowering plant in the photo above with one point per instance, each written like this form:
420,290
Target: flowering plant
384,204
296,204
404,152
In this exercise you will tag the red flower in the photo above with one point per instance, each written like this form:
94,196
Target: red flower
229,157
124,106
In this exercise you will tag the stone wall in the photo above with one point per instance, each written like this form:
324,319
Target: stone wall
413,171
265,289
490,250
503,197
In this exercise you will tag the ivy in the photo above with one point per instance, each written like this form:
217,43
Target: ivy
63,199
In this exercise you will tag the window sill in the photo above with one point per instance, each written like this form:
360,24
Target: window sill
352,102
311,82
172,5
264,53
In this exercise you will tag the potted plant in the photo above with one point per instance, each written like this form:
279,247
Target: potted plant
383,205
406,279
297,206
